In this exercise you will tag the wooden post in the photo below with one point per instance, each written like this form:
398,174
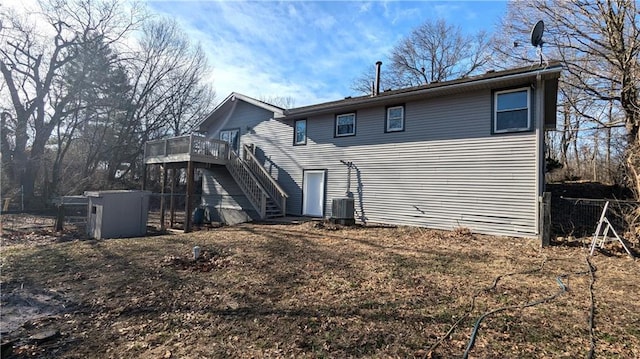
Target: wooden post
162,201
172,207
60,218
144,177
188,205
545,219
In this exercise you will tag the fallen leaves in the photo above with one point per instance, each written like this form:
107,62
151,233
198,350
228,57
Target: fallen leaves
321,291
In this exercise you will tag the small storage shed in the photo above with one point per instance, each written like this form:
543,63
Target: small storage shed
117,213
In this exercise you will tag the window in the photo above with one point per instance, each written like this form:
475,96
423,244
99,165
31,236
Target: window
300,132
232,137
395,119
511,111
346,125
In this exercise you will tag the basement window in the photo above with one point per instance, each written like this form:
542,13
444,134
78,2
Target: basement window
512,110
346,124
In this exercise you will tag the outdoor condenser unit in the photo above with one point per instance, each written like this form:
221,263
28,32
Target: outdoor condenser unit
342,210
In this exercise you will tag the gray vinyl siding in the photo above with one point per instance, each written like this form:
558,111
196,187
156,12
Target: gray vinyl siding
445,170
219,189
245,118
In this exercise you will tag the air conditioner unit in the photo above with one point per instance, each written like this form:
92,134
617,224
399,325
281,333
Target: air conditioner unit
342,210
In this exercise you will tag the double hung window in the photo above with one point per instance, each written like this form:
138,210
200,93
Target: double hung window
512,111
346,124
395,119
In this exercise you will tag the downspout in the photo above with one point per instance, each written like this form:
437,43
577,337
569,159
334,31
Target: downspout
540,170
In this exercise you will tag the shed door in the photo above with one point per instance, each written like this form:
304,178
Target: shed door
313,193
95,221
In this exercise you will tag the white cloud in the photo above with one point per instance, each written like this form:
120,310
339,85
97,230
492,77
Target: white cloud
292,11
365,6
325,23
272,53
309,50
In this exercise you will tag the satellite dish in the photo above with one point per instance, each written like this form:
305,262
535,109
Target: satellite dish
536,34
536,40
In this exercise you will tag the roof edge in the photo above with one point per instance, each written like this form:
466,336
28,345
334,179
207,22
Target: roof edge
233,96
433,88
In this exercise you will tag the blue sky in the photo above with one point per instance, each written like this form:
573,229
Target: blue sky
309,50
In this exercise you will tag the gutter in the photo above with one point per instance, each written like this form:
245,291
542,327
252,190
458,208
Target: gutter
292,114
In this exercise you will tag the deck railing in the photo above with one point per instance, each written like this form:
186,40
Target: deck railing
277,193
187,145
261,189
254,191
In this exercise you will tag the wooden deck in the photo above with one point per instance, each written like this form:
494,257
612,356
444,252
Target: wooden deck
189,148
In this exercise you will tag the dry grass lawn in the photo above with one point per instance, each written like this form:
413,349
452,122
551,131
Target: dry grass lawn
267,291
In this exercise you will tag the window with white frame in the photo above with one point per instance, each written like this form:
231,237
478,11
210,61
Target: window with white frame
512,110
300,132
346,124
395,119
231,136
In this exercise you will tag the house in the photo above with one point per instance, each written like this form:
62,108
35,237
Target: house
462,153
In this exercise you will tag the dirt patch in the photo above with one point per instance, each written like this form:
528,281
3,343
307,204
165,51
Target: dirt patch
22,306
34,230
208,260
310,291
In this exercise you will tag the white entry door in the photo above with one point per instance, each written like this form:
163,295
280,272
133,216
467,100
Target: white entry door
313,193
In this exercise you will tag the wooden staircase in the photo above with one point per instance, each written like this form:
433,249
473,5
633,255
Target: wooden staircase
264,193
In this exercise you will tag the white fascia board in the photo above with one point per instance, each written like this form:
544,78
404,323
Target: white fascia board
234,96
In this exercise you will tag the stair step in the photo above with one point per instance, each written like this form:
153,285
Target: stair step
243,175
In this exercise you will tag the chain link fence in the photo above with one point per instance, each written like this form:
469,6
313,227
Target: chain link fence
579,217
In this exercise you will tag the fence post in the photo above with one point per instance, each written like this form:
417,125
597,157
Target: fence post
162,199
59,225
188,205
545,219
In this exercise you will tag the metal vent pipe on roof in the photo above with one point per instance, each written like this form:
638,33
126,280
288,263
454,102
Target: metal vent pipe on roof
376,89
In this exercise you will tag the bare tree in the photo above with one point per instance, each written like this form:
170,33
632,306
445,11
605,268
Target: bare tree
599,41
32,61
285,102
85,95
434,51
169,93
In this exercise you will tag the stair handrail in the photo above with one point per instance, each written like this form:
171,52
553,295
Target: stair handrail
274,189
249,184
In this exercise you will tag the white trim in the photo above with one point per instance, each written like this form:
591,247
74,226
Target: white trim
354,124
305,192
495,110
540,158
295,132
233,97
387,129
